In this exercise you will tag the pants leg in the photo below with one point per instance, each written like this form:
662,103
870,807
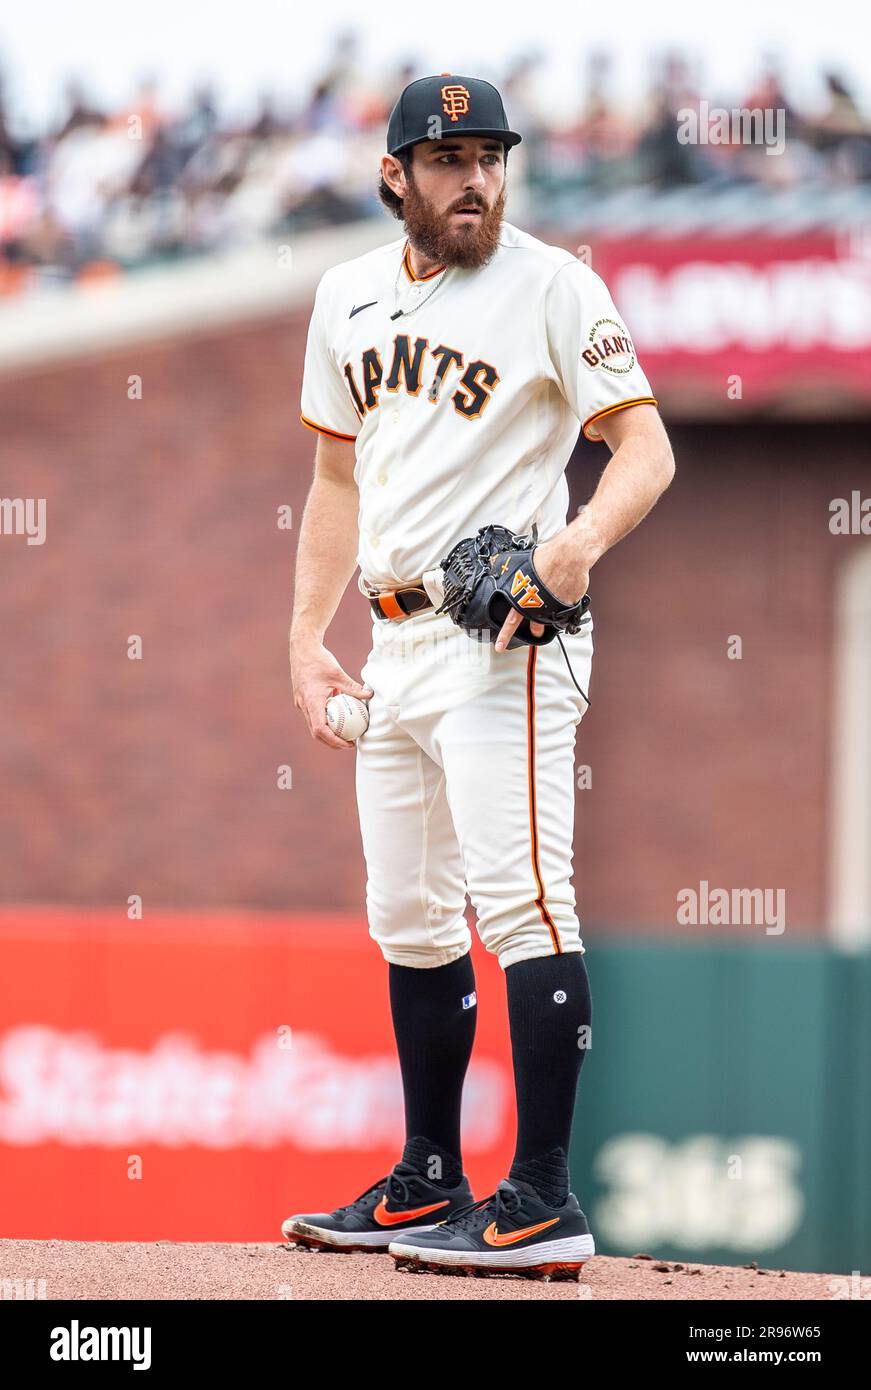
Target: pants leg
508,754
416,891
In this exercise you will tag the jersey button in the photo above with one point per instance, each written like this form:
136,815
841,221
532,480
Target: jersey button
395,417
382,479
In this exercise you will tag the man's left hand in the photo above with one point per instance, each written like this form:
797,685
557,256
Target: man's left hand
561,567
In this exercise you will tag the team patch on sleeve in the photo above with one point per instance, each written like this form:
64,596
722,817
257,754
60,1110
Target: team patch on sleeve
609,348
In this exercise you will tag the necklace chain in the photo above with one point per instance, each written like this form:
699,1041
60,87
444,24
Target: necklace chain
405,313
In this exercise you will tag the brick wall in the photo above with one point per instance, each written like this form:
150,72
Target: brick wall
158,776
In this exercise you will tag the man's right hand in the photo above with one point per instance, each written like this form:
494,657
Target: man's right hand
316,675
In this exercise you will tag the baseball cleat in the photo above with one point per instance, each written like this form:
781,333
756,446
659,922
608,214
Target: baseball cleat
403,1203
512,1232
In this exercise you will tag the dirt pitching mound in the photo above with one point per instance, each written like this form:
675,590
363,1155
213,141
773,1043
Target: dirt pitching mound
65,1269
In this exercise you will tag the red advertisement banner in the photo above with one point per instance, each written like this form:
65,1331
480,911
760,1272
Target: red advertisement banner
200,1077
781,321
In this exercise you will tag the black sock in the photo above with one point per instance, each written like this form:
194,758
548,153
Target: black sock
549,1011
548,1174
429,1158
434,1036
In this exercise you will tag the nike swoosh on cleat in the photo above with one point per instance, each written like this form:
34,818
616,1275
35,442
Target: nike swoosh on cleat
358,308
383,1217
492,1236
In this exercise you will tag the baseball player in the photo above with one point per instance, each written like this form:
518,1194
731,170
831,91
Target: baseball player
446,376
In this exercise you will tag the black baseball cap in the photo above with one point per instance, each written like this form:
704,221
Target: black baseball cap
433,107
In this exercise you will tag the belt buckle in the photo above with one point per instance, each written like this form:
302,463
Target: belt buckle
369,590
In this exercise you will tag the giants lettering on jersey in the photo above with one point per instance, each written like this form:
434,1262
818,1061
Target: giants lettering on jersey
416,365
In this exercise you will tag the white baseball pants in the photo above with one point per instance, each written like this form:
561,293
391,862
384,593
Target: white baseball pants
466,782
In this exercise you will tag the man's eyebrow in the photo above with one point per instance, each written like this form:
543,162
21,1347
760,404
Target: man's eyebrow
442,146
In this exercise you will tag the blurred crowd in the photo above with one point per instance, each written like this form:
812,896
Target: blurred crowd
107,190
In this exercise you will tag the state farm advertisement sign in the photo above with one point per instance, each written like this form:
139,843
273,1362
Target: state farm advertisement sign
200,1077
767,321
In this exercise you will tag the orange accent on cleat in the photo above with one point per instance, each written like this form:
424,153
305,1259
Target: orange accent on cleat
493,1237
555,1270
383,1217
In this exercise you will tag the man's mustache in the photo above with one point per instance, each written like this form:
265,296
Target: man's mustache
473,201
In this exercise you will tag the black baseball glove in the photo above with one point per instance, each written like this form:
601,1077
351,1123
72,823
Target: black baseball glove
487,575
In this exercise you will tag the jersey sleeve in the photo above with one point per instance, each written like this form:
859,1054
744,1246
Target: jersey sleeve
326,404
589,351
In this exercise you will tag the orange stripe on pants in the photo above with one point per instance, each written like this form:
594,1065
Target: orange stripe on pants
533,814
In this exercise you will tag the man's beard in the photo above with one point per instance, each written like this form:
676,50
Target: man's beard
437,237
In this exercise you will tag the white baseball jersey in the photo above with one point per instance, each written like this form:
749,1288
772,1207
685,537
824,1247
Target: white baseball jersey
465,409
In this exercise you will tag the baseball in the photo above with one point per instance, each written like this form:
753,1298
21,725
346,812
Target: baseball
347,716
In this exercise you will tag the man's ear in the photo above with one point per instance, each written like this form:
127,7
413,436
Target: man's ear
393,175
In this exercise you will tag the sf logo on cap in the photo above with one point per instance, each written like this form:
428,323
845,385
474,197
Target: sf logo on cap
455,101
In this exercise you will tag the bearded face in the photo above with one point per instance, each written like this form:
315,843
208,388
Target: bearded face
465,234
